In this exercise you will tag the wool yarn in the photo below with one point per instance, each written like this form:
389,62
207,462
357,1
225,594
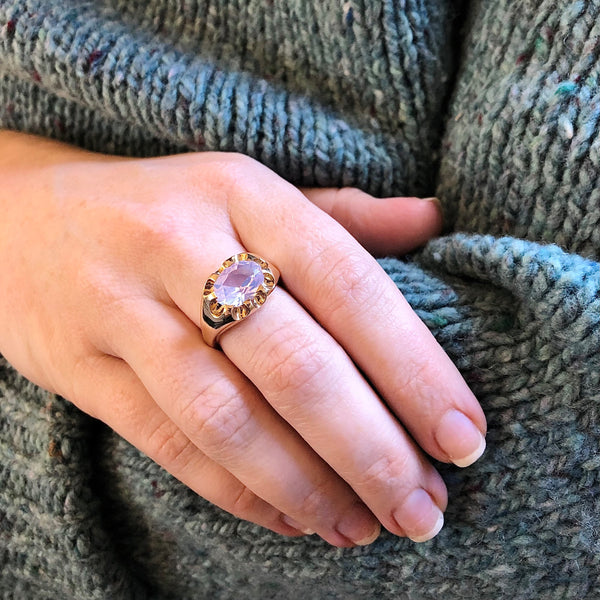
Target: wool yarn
522,147
340,93
324,92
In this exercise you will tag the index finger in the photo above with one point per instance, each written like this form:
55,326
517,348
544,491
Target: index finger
348,293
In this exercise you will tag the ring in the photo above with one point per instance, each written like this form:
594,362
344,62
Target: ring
237,288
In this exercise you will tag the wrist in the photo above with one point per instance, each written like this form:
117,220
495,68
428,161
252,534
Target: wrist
18,149
25,150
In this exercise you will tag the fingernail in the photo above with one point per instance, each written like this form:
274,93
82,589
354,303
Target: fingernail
440,209
293,523
434,200
460,438
359,526
419,516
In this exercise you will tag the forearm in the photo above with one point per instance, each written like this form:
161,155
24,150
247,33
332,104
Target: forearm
25,150
19,149
22,156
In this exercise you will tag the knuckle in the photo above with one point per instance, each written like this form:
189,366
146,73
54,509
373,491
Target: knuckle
244,160
361,281
339,206
344,199
347,282
220,420
295,362
246,505
169,446
383,473
415,379
236,173
314,503
244,182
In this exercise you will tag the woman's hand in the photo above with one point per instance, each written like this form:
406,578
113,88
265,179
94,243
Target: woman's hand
104,261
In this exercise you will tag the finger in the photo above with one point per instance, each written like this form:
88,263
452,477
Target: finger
349,294
335,411
313,384
225,417
383,226
107,388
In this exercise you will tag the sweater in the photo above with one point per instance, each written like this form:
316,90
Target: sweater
492,106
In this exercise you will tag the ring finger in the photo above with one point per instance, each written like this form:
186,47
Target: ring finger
313,384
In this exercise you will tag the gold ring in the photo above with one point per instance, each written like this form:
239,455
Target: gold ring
234,291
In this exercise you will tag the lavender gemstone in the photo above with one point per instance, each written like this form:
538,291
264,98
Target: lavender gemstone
238,283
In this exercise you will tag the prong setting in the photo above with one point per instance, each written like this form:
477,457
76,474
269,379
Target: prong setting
216,308
243,289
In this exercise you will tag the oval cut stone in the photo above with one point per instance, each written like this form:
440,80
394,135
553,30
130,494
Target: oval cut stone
238,282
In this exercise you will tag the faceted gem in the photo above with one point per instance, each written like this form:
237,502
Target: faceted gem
238,283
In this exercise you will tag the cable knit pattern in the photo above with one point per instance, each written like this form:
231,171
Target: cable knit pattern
337,93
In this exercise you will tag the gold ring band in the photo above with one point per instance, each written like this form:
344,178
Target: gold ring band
233,292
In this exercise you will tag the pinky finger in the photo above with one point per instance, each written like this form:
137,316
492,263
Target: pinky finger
107,388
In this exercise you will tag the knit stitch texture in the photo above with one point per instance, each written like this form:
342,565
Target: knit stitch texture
494,105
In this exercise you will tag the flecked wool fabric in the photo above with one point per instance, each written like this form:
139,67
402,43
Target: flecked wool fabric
494,104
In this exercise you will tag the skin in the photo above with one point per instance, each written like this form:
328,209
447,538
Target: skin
318,412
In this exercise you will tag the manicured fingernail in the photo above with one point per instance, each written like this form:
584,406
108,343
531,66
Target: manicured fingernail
460,438
439,208
419,516
293,523
437,203
359,526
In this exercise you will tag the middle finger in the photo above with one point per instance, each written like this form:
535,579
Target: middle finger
313,384
349,294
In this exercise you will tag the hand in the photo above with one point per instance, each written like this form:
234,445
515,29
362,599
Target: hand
104,261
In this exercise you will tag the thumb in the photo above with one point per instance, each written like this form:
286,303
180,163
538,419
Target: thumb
382,225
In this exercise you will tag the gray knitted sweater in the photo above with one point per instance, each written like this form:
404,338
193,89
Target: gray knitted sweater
493,106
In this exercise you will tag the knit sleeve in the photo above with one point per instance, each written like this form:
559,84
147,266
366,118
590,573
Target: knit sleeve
324,93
